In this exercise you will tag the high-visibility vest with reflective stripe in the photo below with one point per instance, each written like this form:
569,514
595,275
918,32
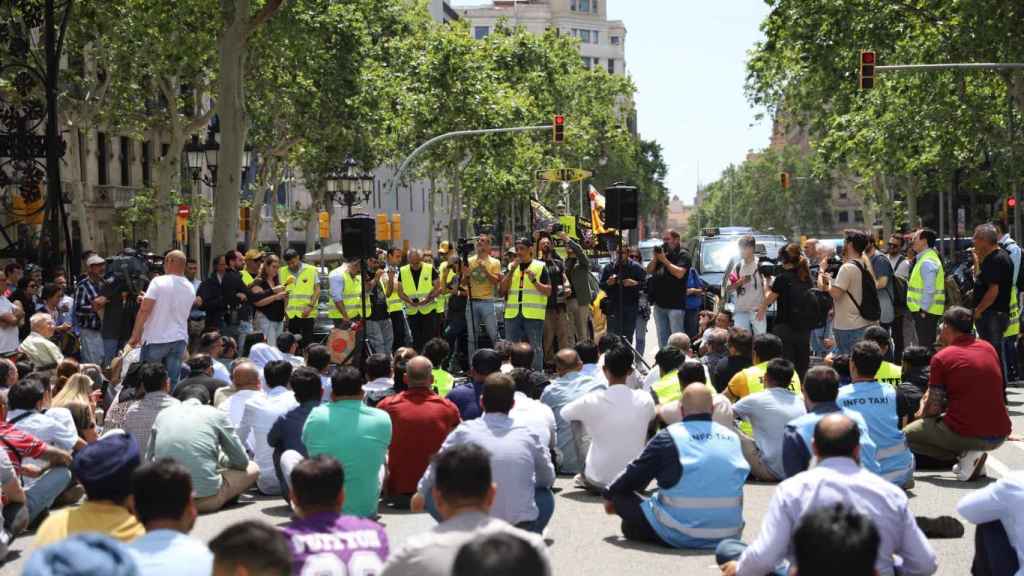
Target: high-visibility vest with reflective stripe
395,303
890,373
1013,329
443,382
350,296
300,292
445,273
706,505
915,287
804,426
523,294
755,383
419,288
247,278
668,388
876,402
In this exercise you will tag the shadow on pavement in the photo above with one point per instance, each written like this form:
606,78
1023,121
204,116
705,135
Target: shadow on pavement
581,496
953,483
282,511
621,542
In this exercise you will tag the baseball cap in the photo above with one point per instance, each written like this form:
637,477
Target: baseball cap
524,241
444,247
95,260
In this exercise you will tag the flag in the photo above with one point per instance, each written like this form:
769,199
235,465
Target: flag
543,219
597,212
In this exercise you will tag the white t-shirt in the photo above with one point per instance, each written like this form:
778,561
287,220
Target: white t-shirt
617,420
8,334
749,297
173,297
847,316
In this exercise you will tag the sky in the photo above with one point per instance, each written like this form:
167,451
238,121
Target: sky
687,59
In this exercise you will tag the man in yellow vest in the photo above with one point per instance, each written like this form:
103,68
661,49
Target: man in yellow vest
767,347
926,289
253,259
346,285
418,287
527,288
302,283
396,308
889,373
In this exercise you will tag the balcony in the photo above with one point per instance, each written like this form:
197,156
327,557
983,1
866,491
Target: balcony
114,196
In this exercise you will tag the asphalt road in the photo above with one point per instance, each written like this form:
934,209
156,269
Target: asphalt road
583,540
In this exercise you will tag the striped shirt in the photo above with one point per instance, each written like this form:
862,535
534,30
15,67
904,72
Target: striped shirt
85,293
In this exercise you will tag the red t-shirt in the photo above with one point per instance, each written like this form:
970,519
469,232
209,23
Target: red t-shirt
970,371
420,421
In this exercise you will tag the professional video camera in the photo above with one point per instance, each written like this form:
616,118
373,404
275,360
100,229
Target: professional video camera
128,272
834,263
465,249
768,267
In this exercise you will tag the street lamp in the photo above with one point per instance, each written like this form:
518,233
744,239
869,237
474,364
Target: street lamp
355,188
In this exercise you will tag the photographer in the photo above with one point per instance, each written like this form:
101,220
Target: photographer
483,280
125,281
582,287
792,325
621,280
456,289
749,285
853,292
556,318
668,271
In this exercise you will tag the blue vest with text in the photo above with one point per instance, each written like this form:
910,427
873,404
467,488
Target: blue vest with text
706,505
804,426
876,402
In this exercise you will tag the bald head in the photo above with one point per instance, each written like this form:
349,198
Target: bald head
246,376
837,436
697,400
567,360
419,372
174,262
680,341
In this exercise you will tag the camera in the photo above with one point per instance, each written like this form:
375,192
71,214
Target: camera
768,267
465,249
834,263
659,249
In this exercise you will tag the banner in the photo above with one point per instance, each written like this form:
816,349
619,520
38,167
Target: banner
597,213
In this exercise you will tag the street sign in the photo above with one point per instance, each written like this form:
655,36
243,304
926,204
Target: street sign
184,210
564,174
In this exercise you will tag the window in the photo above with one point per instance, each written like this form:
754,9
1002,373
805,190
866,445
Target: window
611,65
125,159
584,5
616,40
594,37
481,32
572,5
584,36
102,153
858,216
844,217
147,160
593,6
587,62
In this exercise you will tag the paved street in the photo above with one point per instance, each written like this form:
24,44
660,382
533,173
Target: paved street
585,541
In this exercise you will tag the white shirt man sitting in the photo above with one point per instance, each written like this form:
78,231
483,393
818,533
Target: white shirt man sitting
259,414
38,346
246,380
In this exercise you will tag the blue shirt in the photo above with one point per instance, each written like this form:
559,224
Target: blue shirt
286,434
796,453
929,270
466,398
560,392
171,553
519,464
876,402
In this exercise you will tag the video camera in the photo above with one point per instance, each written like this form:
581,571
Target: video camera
768,267
465,249
129,271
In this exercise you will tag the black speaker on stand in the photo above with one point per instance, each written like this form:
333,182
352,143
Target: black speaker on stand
622,207
358,237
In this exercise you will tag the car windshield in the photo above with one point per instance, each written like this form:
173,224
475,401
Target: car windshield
715,255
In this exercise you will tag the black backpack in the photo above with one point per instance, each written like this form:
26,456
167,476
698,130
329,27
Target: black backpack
814,306
870,309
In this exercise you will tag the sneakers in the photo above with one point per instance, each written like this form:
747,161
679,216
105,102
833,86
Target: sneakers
971,466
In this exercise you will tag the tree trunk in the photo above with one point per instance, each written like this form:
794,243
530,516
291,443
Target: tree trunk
280,231
168,174
81,191
232,48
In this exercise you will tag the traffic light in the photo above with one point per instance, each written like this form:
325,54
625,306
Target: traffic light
324,219
558,132
867,69
383,228
243,218
784,180
1011,202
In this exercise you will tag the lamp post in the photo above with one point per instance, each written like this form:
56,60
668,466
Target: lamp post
355,188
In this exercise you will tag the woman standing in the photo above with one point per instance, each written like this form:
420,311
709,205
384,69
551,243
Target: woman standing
789,289
694,303
268,298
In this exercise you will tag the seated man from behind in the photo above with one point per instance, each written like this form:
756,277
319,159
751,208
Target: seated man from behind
522,358
355,434
252,548
520,465
202,439
380,379
678,340
463,494
420,422
962,415
692,372
838,478
888,373
835,536
138,421
466,396
200,368
768,413
322,539
700,471
998,511
568,386
616,418
245,379
821,387
105,470
318,357
437,351
500,555
162,496
259,415
876,402
666,388
285,436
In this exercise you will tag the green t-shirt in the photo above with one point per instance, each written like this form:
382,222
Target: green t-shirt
358,436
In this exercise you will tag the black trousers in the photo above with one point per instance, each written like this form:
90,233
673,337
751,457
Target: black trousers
796,346
302,327
993,552
927,328
634,524
423,328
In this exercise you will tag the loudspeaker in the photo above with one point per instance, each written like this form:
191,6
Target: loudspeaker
358,236
622,207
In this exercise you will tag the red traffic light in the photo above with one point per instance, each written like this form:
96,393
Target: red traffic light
558,131
559,120
867,57
1011,202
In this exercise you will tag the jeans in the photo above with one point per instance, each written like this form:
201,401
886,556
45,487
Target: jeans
380,336
993,552
641,334
244,329
635,525
557,328
579,315
482,312
520,329
691,324
748,321
845,339
168,353
423,327
1010,370
111,346
818,336
667,322
543,498
796,346
730,550
269,328
92,346
303,327
41,494
454,331
926,327
991,326
625,326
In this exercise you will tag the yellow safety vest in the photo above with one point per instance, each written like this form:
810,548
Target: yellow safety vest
350,296
445,273
1013,329
246,277
915,287
421,288
890,373
524,296
755,383
443,382
300,292
395,303
668,388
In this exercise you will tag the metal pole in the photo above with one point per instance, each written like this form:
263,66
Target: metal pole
951,66
942,220
1012,176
